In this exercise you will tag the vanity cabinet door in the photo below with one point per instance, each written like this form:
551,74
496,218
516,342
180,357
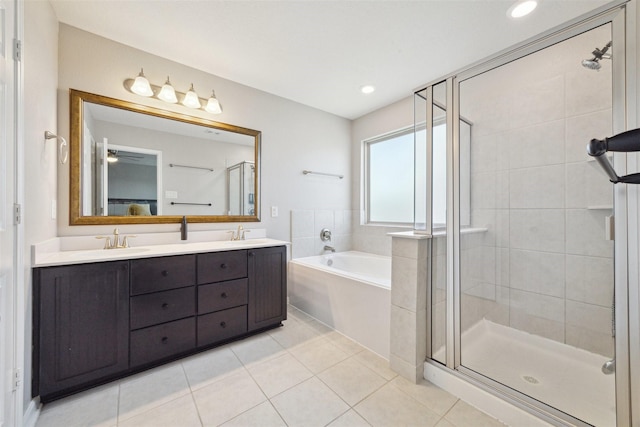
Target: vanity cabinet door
81,325
267,287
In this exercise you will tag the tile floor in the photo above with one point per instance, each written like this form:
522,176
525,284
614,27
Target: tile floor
302,374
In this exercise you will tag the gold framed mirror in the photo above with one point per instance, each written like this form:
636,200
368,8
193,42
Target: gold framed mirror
135,164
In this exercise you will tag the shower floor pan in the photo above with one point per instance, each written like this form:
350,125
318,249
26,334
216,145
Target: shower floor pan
565,377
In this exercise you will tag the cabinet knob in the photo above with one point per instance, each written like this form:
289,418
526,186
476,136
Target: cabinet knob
165,273
223,265
223,324
165,306
223,295
164,340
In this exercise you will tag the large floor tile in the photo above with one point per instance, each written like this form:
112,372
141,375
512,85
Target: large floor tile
351,380
97,407
150,389
227,398
206,368
344,343
391,407
263,415
279,374
431,396
319,355
463,414
257,349
294,335
180,412
349,419
378,364
309,404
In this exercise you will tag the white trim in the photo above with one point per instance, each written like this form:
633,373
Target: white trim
19,245
32,413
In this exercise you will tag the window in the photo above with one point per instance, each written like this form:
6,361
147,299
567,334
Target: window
389,178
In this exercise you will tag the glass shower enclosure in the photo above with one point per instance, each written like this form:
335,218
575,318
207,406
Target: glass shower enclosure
522,287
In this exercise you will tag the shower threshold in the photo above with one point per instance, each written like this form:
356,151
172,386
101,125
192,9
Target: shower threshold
564,377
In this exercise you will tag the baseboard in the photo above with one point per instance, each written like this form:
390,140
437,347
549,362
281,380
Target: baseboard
32,413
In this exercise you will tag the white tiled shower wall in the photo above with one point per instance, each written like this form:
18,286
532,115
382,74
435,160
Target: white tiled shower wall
307,224
544,265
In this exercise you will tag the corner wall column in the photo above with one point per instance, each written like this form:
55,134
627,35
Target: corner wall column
409,278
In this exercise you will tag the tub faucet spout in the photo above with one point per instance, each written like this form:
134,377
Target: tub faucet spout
329,248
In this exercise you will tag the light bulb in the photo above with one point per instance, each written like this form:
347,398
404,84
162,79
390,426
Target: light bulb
522,8
191,99
168,93
213,106
141,85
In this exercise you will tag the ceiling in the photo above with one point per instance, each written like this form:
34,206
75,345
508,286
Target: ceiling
320,52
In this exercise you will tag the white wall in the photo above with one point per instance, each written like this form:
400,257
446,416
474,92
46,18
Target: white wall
40,81
294,136
373,238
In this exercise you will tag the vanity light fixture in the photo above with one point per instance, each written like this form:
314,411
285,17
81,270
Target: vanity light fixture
168,93
213,106
141,85
191,99
522,8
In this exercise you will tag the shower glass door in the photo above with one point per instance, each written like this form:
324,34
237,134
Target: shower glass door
536,280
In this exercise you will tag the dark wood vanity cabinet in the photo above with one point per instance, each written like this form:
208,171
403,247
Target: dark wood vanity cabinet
267,270
94,322
81,315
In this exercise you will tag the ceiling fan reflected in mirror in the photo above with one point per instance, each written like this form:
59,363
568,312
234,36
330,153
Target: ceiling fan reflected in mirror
113,156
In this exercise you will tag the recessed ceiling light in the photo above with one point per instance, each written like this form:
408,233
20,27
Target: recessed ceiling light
522,8
367,89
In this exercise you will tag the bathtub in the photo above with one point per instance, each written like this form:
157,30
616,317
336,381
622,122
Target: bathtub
348,291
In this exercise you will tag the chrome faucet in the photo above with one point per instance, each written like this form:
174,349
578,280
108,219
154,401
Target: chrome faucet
115,243
329,248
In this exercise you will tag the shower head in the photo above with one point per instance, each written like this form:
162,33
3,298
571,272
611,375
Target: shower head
598,54
591,64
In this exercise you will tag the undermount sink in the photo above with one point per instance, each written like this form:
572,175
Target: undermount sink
107,253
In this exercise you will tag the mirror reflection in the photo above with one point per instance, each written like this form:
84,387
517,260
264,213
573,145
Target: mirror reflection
139,164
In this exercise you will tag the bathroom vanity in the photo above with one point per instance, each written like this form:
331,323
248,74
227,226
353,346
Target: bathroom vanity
103,319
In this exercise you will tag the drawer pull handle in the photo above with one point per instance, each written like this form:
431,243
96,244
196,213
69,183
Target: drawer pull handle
165,340
223,295
165,273
223,324
223,265
165,306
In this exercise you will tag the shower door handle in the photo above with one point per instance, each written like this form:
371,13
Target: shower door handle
609,227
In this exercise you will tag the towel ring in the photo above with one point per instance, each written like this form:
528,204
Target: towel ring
63,148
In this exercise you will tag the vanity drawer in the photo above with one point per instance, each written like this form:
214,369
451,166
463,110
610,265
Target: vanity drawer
221,325
219,296
221,266
162,341
160,274
161,307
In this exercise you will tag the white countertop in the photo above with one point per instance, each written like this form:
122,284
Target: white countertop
45,258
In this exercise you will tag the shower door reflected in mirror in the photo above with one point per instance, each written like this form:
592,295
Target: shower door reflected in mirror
536,279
